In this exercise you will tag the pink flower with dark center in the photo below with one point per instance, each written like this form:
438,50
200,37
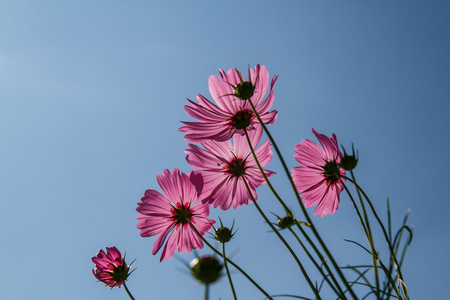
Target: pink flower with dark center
319,179
233,112
110,267
224,166
172,212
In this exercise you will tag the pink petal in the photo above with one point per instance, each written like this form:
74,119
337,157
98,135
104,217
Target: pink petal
309,154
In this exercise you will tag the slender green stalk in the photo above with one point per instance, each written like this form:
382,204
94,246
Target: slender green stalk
389,220
390,279
370,239
387,287
374,212
228,272
368,232
269,184
128,292
386,236
315,263
231,262
341,294
305,274
302,206
356,209
206,291
395,245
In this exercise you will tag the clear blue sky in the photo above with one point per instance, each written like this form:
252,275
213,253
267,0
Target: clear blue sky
92,95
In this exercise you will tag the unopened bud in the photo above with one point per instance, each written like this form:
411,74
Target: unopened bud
223,235
349,162
286,222
206,269
244,90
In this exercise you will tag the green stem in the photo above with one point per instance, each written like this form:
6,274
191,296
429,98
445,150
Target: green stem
228,272
128,292
206,291
231,263
316,264
396,245
386,236
305,274
302,206
269,184
341,294
366,227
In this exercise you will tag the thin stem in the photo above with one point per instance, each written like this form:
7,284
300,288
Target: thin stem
230,262
206,291
302,206
269,184
356,208
370,238
368,232
305,274
325,264
396,245
228,272
315,263
386,236
128,292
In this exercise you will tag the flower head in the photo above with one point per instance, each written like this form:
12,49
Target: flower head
224,234
349,162
110,267
319,179
173,213
243,90
233,112
286,222
224,167
206,269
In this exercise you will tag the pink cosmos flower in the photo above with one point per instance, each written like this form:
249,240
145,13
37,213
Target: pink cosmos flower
224,166
171,213
318,180
231,114
110,267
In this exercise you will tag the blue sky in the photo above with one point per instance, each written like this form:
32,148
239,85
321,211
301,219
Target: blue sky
92,96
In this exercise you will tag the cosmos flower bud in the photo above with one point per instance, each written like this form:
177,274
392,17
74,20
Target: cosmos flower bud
286,222
349,162
206,269
223,234
110,267
244,90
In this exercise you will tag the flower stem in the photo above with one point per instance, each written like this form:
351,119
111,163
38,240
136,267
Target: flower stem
228,272
386,236
305,274
302,206
206,291
128,292
366,227
231,262
339,294
269,184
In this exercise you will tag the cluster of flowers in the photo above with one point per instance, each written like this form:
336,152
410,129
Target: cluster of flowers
228,156
224,163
